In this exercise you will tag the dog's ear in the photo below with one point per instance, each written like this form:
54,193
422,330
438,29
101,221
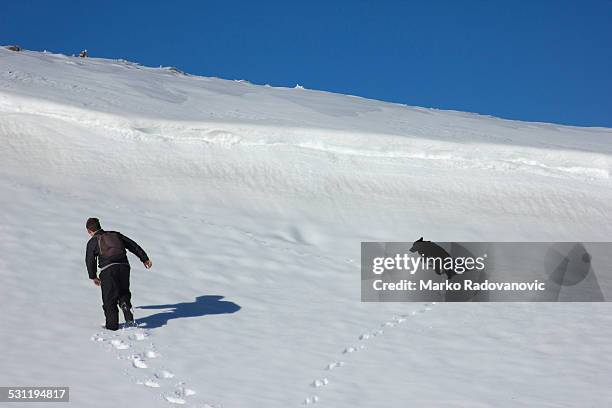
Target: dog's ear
420,239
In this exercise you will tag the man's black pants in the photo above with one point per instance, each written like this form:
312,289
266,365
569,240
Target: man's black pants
115,283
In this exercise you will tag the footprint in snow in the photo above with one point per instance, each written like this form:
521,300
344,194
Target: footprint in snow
320,383
334,365
165,374
352,349
151,383
139,336
138,362
120,344
311,400
179,395
173,399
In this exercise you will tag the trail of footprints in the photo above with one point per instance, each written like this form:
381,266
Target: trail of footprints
145,366
347,351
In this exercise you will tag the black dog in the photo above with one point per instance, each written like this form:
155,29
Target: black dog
431,251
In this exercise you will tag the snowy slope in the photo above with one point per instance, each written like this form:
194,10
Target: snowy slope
252,201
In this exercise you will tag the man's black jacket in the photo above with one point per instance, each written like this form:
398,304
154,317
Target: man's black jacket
93,252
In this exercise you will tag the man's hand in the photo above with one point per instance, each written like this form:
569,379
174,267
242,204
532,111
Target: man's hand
96,281
148,264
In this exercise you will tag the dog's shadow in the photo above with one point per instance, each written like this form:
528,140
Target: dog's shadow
202,306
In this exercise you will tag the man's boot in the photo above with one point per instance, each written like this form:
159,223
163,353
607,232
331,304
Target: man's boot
112,317
127,312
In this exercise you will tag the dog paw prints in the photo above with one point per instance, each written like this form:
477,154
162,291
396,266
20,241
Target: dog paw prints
362,338
353,349
311,400
320,383
334,365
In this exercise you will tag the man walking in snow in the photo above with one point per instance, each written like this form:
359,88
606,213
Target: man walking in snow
108,247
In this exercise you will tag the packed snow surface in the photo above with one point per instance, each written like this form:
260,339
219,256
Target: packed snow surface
251,202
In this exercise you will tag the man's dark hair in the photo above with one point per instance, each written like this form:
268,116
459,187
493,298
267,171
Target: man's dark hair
93,224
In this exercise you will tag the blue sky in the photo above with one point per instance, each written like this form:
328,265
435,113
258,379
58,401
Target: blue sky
537,60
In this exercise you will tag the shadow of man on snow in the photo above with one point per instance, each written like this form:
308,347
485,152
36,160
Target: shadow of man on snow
202,306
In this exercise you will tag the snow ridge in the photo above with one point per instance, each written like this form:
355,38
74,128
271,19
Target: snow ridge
483,155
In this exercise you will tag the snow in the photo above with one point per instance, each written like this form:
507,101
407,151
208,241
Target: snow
252,202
